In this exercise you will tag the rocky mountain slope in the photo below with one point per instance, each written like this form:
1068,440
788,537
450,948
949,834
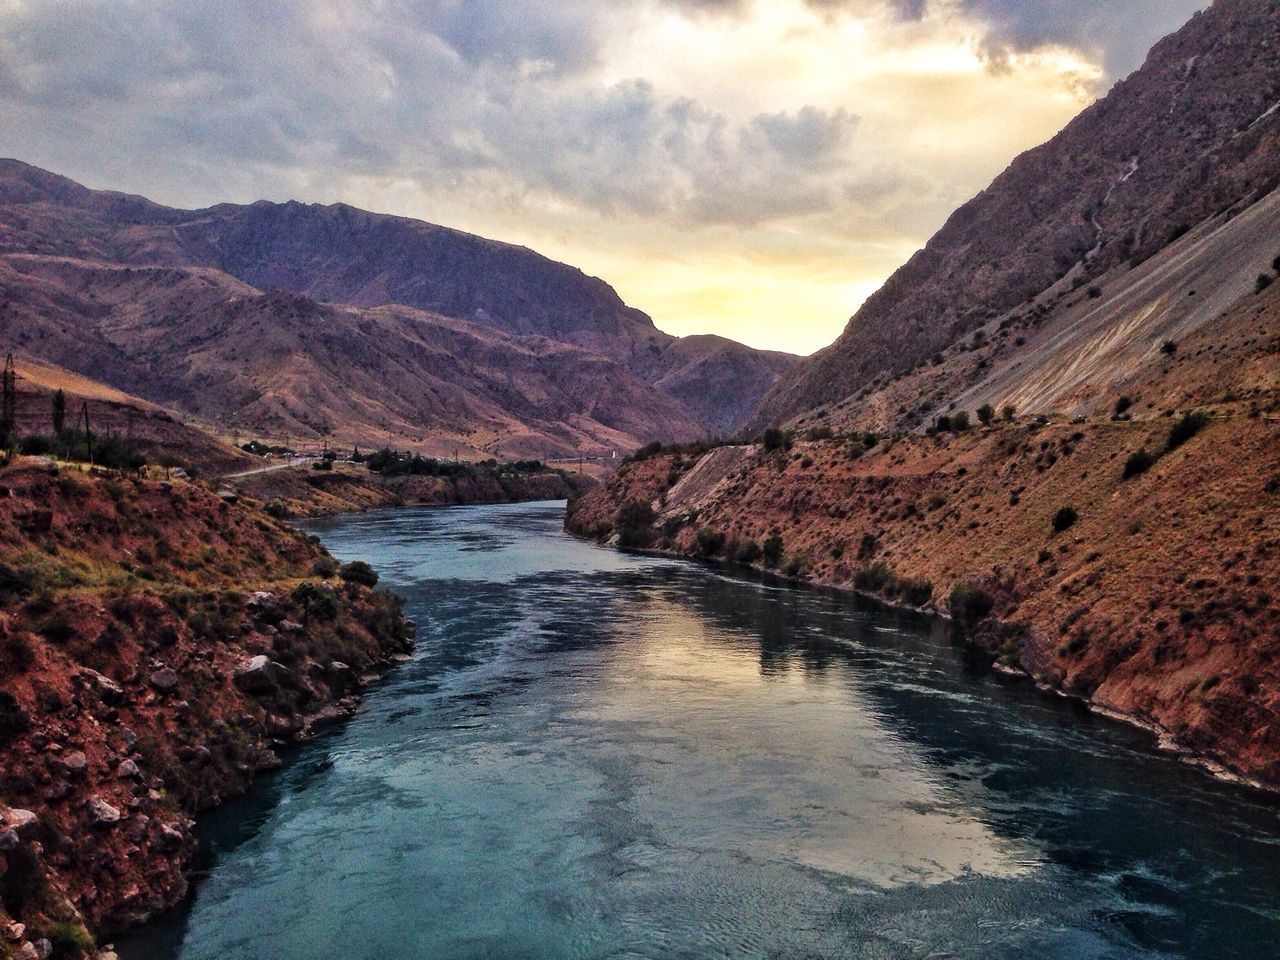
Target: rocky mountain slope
504,298
284,364
158,644
1193,136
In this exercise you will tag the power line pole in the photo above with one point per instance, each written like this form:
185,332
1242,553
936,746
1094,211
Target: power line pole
88,433
9,403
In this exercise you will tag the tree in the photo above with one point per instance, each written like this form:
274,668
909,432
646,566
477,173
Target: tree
772,551
986,413
775,439
1009,412
59,412
634,523
960,421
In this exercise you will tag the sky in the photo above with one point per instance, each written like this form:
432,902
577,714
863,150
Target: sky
752,168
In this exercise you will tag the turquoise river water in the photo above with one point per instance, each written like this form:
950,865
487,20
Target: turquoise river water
595,755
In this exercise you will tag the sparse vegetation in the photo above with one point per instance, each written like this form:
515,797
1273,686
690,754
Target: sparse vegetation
1187,427
634,524
883,580
708,542
357,571
771,552
1065,519
1140,461
969,603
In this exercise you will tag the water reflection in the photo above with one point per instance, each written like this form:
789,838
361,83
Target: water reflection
597,755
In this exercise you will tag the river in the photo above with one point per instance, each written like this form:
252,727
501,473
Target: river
599,755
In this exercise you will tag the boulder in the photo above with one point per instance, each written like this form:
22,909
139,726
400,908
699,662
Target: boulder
74,762
265,607
9,840
101,813
169,838
24,822
109,692
165,680
128,770
254,677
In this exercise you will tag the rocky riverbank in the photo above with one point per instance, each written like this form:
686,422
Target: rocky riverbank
158,643
1150,593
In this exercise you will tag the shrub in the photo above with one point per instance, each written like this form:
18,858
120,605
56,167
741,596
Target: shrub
70,939
820,433
1264,280
1168,348
1186,428
1275,264
1122,405
324,567
775,439
969,603
708,542
986,413
743,551
278,509
1095,292
1064,519
634,523
959,421
322,465
35,446
942,424
357,571
868,546
771,552
1009,411
1140,461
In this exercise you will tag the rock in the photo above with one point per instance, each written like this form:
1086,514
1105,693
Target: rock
15,930
263,675
254,676
265,607
28,951
26,823
410,627
109,692
291,626
44,949
101,813
227,495
169,838
9,840
58,790
128,770
74,762
164,680
341,672
283,727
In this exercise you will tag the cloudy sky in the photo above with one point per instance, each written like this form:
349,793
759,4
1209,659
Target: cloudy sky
747,167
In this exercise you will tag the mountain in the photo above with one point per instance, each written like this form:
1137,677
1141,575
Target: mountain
340,255
1191,136
284,365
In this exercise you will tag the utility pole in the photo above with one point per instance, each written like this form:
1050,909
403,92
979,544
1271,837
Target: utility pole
9,404
88,433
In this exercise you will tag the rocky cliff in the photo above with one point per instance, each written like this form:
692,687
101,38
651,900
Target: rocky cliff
157,644
1193,135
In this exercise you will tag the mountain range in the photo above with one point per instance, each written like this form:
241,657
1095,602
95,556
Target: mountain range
313,321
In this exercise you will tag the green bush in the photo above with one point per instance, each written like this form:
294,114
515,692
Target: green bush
1065,518
70,939
1140,461
324,567
634,523
1186,428
357,571
776,439
970,603
708,542
771,552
